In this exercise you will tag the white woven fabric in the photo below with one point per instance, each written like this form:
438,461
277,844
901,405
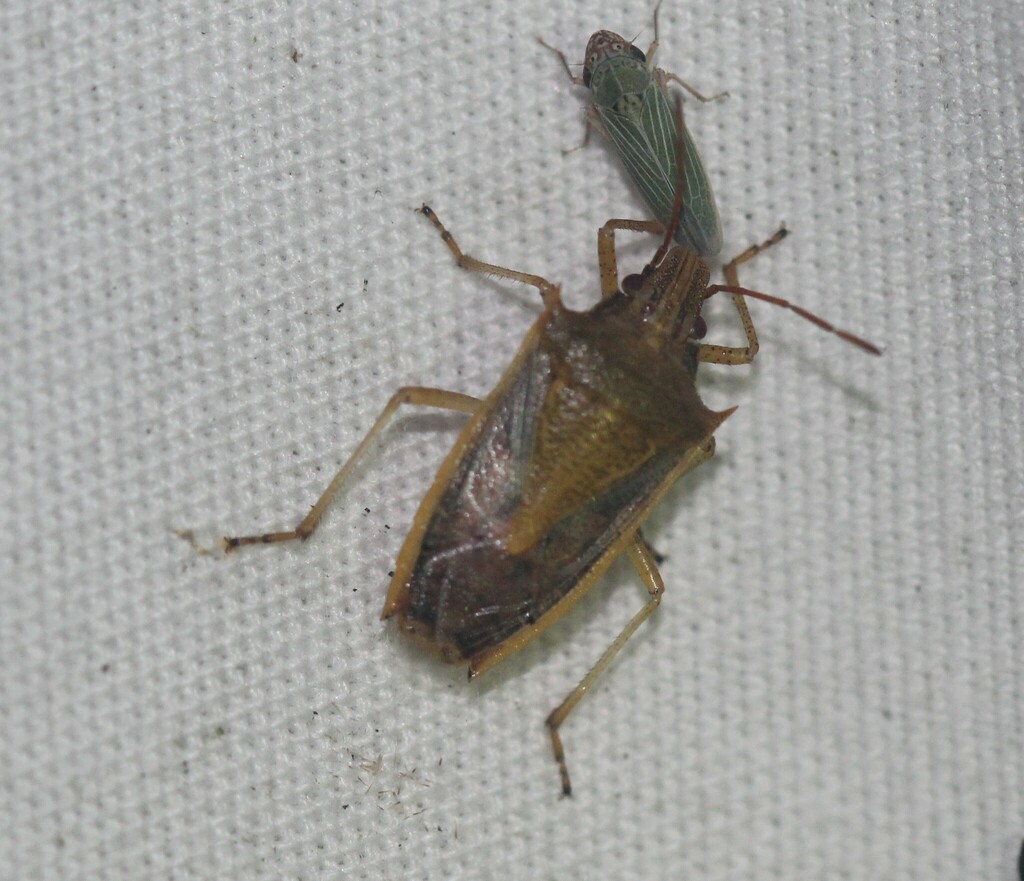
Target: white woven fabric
189,192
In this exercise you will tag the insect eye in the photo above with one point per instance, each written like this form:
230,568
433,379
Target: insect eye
700,328
632,283
586,76
637,54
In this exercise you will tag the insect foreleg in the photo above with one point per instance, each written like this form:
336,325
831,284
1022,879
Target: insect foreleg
606,260
740,354
577,80
664,77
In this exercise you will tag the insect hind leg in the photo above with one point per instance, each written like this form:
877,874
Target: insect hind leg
643,561
642,558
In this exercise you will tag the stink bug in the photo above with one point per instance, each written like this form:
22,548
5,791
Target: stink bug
629,100
557,468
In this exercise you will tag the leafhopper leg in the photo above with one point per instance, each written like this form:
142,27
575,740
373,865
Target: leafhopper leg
606,260
642,558
577,80
549,292
588,123
425,397
663,76
740,354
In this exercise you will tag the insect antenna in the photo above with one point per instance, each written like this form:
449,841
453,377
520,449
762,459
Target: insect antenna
799,310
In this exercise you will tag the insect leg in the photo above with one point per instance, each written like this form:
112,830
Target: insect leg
655,42
643,562
427,397
642,558
663,77
740,354
577,80
548,291
606,260
589,121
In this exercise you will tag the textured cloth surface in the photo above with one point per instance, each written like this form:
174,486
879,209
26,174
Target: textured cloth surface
213,279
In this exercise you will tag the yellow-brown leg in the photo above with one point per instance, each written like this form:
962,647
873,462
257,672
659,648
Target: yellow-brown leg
606,260
643,561
740,354
549,292
427,397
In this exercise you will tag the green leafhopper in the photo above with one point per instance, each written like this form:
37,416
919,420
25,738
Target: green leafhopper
629,100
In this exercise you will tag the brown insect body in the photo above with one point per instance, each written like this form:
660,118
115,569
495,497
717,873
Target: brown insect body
556,470
593,420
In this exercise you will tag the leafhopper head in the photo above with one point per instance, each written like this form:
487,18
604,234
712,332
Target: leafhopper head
603,45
